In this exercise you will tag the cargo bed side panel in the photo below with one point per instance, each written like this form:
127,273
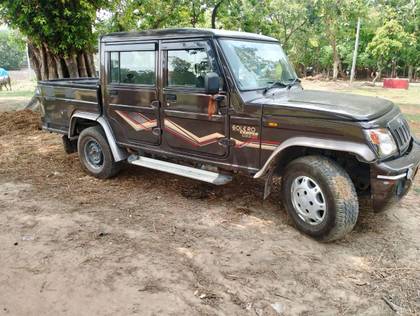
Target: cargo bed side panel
59,102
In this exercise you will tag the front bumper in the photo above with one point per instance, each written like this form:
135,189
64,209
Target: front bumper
391,180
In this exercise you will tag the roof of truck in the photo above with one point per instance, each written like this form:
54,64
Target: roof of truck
181,33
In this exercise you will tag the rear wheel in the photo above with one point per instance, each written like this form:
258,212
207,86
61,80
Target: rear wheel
95,154
320,197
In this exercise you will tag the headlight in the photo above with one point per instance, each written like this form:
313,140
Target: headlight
382,140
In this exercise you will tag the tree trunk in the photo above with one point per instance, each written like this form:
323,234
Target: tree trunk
81,65
410,72
51,64
40,54
377,75
91,64
341,71
71,63
47,65
335,68
59,67
336,61
193,16
34,61
394,69
214,14
90,67
318,64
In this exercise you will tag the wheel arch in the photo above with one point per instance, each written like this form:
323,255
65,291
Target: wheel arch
353,157
92,119
361,152
80,120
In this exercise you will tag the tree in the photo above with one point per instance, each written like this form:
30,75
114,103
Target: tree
337,19
62,34
410,54
412,27
388,45
287,18
197,9
59,33
130,15
245,15
12,49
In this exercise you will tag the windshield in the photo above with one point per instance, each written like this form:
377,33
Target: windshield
257,65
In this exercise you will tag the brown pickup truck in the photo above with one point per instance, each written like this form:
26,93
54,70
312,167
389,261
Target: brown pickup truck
207,104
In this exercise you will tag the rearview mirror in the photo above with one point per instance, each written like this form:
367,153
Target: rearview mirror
212,83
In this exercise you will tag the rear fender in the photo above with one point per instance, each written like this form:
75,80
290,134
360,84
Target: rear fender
117,153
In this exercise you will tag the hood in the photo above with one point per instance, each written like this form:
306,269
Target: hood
324,103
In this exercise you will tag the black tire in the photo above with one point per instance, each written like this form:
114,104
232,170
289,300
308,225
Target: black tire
338,200
104,166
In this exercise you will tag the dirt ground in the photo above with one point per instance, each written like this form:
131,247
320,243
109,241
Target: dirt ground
149,243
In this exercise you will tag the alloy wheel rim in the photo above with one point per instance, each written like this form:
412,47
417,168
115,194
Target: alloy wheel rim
308,200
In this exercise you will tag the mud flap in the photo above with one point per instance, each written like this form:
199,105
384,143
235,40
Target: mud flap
70,146
268,183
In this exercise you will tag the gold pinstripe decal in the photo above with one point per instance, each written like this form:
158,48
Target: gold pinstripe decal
141,123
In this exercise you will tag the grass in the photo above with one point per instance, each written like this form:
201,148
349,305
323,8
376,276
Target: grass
22,91
413,117
407,100
16,93
410,96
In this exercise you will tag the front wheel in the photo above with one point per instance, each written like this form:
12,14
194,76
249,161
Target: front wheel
95,154
320,198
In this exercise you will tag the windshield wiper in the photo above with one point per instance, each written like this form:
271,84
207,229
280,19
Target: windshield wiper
275,83
292,83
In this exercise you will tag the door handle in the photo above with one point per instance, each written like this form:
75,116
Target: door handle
113,92
171,97
155,105
156,131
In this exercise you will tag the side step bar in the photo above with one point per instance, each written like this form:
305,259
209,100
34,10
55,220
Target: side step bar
180,170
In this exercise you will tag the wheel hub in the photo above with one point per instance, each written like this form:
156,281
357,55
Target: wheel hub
93,153
308,200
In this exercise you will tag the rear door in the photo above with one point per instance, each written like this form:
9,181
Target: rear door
187,125
131,92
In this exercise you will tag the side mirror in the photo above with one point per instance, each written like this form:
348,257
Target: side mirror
212,83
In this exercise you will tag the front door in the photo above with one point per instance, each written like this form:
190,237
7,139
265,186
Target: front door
132,94
188,123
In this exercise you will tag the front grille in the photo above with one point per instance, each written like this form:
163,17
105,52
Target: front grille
401,132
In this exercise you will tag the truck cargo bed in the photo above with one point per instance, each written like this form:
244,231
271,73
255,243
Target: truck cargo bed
62,97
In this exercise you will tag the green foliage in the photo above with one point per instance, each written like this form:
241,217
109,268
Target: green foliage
390,43
65,26
313,32
317,33
12,49
129,15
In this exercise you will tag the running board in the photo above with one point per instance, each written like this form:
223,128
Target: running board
180,170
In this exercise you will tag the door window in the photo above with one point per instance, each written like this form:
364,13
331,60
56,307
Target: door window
136,67
114,67
188,67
